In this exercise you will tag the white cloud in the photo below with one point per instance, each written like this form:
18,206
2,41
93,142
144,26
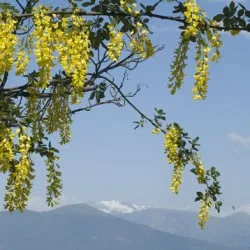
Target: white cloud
239,139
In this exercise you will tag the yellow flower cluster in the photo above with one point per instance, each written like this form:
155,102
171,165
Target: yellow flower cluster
32,105
19,185
177,178
156,131
129,6
140,43
22,168
208,41
115,44
44,47
234,32
172,139
202,58
6,148
59,115
194,17
199,169
21,62
54,181
214,39
177,67
201,75
74,53
204,213
8,41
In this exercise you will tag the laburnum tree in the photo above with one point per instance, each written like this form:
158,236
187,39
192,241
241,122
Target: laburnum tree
63,56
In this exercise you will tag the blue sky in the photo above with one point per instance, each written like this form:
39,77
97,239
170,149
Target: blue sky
106,159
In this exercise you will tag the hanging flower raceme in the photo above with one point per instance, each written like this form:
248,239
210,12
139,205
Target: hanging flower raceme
44,45
74,52
21,62
199,169
115,44
129,6
208,43
172,139
8,41
194,18
215,42
32,105
178,65
204,212
140,42
54,188
59,114
201,75
6,148
19,181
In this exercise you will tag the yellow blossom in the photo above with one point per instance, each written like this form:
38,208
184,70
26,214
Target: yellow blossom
172,138
115,44
44,47
204,212
199,169
156,131
21,62
140,42
8,41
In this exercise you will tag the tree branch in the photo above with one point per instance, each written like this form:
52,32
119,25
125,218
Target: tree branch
132,105
113,101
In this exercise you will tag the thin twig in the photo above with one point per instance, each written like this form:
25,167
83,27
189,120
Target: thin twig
132,105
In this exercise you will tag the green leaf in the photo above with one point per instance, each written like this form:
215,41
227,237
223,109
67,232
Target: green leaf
242,23
226,11
242,6
248,27
232,5
226,22
240,12
199,194
247,13
100,19
219,203
92,96
150,8
197,199
86,4
219,17
195,140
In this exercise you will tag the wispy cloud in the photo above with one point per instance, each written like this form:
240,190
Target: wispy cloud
239,139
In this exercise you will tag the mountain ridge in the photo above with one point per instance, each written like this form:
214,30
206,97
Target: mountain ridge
84,227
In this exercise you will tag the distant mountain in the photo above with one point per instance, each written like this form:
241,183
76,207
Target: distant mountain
81,227
117,207
233,230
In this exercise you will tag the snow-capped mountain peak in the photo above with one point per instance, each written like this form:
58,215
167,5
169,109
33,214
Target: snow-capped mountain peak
114,206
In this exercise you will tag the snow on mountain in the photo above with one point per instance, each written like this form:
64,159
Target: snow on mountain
115,206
